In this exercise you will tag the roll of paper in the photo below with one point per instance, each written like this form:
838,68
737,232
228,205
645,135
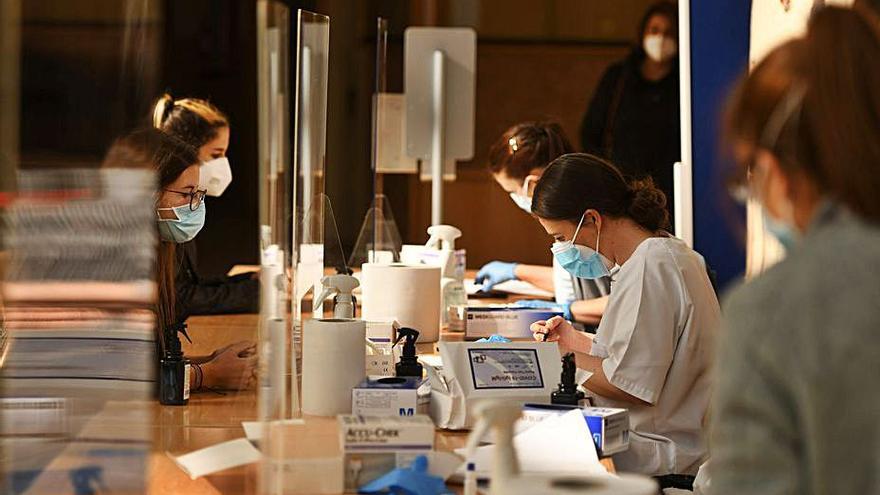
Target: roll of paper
409,294
333,363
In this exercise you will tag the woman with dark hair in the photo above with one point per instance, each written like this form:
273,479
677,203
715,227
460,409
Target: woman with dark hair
795,407
653,347
516,162
180,215
203,126
634,118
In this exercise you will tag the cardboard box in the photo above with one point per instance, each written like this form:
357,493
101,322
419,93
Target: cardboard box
383,434
389,396
505,320
373,445
609,426
382,331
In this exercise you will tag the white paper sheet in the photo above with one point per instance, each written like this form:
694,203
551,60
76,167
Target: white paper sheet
217,458
559,444
517,287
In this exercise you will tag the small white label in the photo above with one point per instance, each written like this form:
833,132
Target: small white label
186,369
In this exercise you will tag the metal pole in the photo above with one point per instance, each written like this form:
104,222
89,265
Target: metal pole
438,141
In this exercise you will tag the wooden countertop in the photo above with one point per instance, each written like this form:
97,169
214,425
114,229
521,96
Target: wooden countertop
210,417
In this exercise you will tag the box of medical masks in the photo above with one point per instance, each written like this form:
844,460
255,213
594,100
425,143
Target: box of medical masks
373,445
609,426
505,320
391,396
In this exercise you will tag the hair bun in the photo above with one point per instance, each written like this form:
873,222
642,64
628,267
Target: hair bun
647,205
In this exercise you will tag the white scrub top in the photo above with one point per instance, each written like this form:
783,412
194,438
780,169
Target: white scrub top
657,337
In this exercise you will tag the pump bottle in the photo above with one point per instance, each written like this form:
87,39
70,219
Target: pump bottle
452,280
174,368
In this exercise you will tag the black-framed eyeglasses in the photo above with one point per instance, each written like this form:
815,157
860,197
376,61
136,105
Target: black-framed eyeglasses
196,197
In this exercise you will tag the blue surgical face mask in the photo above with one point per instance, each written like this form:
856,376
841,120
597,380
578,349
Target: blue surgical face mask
186,224
581,261
782,231
787,109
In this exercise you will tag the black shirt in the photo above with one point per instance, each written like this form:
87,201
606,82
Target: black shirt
206,296
635,123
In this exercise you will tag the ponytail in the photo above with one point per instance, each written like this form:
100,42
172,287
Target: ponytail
192,120
161,110
833,136
844,105
577,182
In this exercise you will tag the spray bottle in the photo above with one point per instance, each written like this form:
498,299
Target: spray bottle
342,286
409,364
500,415
452,280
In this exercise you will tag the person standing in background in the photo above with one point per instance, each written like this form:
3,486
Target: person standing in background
634,118
203,126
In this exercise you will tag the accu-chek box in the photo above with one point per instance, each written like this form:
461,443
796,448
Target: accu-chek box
374,445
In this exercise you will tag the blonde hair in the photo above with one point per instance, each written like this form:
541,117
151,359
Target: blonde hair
193,120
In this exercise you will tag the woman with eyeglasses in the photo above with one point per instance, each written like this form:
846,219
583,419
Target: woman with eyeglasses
796,406
180,215
203,126
652,350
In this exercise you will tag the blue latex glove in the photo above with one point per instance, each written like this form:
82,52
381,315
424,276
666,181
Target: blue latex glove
494,338
495,272
413,480
565,308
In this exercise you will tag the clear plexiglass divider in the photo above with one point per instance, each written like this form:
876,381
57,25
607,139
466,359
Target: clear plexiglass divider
299,244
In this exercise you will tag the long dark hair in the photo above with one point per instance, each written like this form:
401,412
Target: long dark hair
578,182
155,150
527,146
834,136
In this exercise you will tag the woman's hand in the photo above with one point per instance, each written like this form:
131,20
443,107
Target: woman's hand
557,329
233,367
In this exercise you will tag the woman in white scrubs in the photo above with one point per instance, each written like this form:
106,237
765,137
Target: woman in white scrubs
653,348
516,162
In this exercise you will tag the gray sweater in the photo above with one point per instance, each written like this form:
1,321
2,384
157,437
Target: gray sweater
797,403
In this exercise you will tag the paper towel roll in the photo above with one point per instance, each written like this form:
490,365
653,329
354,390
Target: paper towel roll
409,294
333,363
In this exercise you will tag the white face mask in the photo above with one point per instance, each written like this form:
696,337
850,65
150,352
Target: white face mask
659,48
522,198
215,176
